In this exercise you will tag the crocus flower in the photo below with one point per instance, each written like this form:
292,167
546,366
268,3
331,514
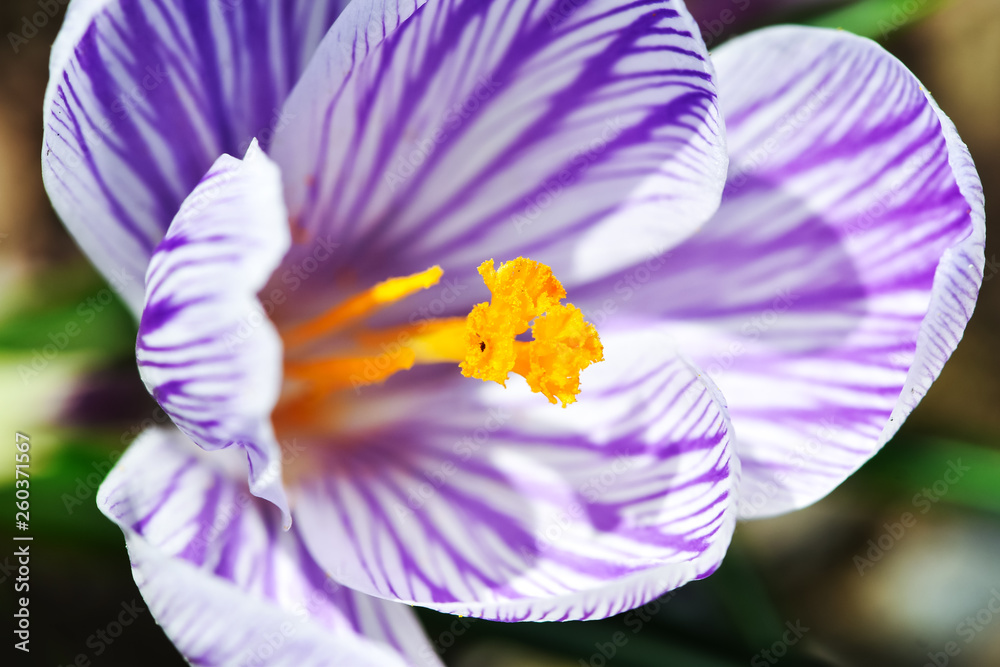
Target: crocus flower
304,225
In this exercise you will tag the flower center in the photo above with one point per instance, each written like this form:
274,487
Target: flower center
525,295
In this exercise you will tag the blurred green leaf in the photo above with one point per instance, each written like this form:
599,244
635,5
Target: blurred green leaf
876,19
745,597
71,309
910,464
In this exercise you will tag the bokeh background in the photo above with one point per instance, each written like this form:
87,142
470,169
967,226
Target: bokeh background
843,583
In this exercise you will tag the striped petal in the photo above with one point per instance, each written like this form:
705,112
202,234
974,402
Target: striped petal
144,96
840,271
466,129
226,584
481,501
206,349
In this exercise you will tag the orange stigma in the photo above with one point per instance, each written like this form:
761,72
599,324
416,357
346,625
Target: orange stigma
527,295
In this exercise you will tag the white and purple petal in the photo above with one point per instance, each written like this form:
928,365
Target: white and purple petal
839,273
481,501
207,351
144,96
458,131
226,583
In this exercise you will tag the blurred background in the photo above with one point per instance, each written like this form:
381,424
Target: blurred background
899,566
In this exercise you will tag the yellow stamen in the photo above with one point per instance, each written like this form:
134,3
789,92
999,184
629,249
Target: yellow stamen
525,294
383,294
335,373
431,341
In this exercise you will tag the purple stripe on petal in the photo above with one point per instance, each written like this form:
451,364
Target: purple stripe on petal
487,502
839,273
492,129
226,583
206,349
144,96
